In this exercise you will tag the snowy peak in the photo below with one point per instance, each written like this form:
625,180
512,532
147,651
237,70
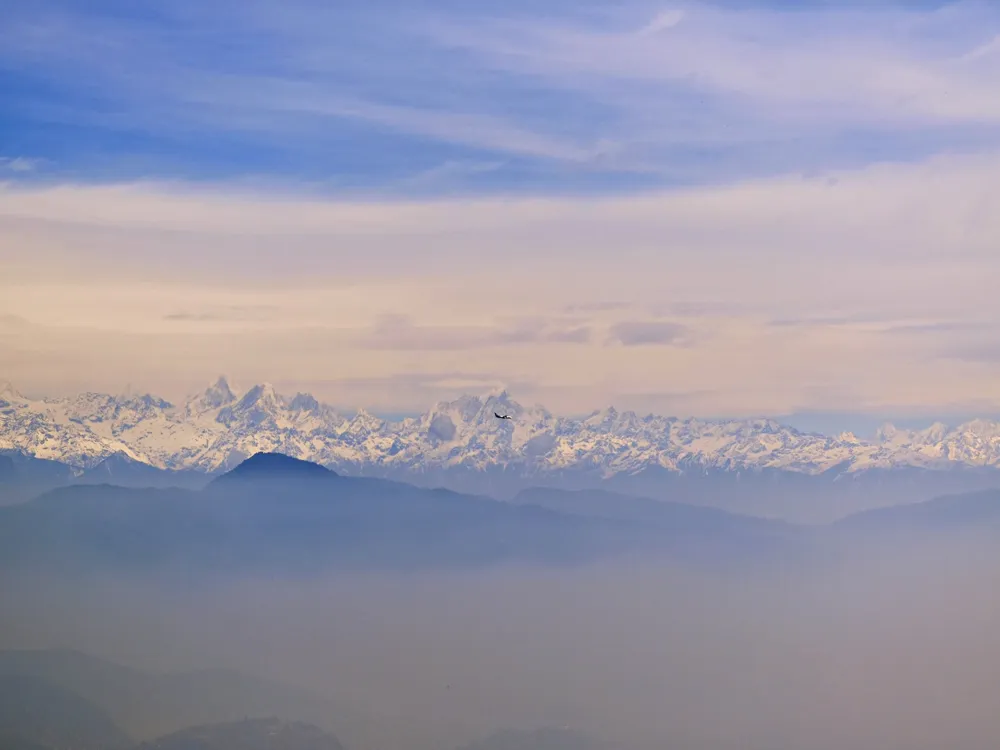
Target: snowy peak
475,411
259,406
219,393
263,396
497,403
304,402
8,393
602,417
610,420
888,433
216,396
110,413
981,428
219,428
464,410
364,424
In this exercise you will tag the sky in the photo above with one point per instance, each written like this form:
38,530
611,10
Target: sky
715,209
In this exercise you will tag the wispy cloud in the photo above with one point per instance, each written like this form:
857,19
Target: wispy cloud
451,175
877,270
643,332
662,21
18,164
769,209
399,333
854,65
588,98
986,352
233,313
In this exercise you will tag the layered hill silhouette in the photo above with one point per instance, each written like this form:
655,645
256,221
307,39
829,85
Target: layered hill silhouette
120,469
250,734
36,713
59,699
277,513
755,466
972,510
124,705
23,477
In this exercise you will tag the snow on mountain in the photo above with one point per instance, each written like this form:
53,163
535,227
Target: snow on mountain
216,396
218,428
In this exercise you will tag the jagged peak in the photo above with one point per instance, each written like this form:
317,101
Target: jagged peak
217,394
497,392
464,432
981,425
222,385
142,399
500,397
85,396
599,415
767,425
262,393
604,419
365,417
8,391
936,431
886,432
304,402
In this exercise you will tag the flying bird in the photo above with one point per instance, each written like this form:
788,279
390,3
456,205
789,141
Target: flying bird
505,416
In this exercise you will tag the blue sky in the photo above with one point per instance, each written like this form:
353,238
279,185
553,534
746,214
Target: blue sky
420,97
796,203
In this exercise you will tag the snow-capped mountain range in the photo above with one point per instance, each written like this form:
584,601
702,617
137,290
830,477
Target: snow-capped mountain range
219,427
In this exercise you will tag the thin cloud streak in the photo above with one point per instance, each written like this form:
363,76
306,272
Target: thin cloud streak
855,65
398,333
644,333
590,99
881,267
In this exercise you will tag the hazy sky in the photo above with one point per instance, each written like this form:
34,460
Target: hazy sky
730,208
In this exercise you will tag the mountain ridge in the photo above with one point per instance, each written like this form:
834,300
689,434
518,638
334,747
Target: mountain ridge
267,466
215,430
150,704
299,526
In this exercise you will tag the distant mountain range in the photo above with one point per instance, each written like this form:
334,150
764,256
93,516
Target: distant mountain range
145,704
59,699
37,715
218,428
278,515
